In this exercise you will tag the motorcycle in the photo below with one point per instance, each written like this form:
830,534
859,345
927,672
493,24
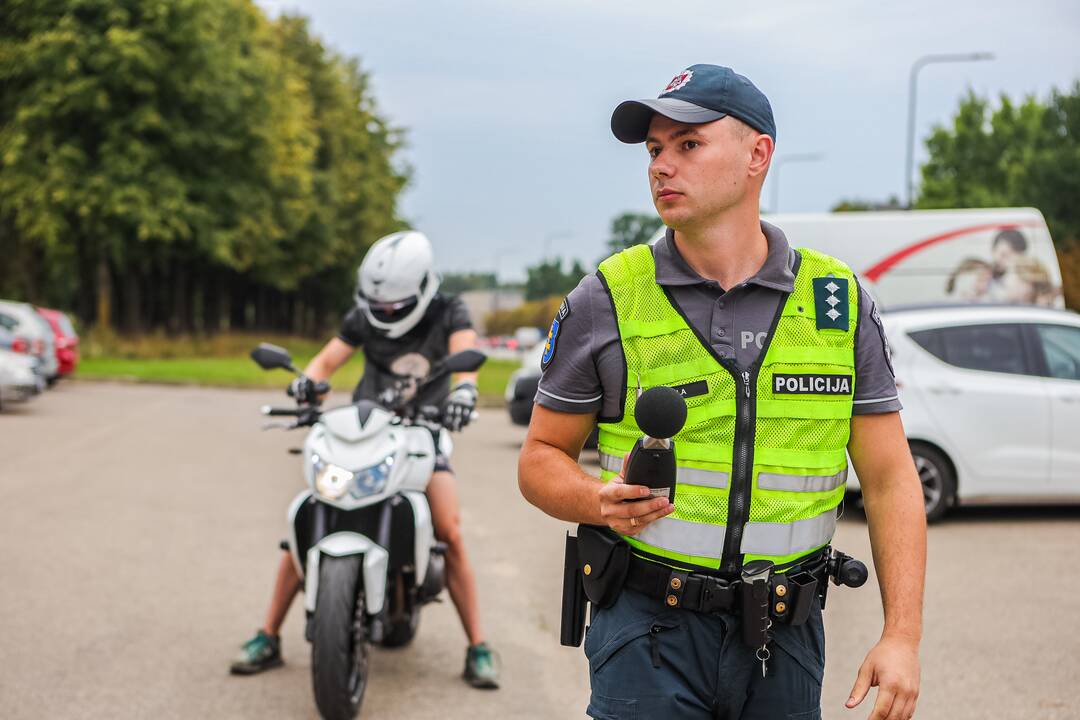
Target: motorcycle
361,535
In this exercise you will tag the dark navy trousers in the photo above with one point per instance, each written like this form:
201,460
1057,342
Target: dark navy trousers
652,662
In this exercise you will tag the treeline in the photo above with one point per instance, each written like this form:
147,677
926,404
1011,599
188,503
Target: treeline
189,165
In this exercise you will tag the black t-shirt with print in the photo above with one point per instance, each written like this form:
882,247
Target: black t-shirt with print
412,354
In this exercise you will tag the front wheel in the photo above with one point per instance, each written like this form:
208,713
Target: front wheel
937,478
339,647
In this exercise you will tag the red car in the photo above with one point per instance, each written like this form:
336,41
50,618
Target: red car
67,340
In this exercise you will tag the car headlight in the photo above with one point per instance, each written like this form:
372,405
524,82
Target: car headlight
333,481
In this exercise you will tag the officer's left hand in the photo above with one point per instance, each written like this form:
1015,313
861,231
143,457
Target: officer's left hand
893,666
460,405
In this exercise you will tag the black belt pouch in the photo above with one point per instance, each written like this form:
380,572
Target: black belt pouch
574,601
604,559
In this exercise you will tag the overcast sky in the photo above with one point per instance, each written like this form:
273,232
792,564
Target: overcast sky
507,104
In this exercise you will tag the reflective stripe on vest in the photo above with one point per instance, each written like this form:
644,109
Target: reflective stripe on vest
787,538
683,474
706,540
801,483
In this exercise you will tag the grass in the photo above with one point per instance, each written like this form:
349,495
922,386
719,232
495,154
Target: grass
241,371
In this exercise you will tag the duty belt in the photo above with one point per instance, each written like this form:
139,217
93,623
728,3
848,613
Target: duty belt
790,593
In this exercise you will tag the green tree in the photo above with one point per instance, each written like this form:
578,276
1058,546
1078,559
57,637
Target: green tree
191,163
630,228
460,282
548,278
858,205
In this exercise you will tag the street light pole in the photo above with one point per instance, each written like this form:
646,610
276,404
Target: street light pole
912,86
560,235
775,170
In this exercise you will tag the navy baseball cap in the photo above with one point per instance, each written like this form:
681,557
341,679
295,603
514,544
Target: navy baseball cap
699,94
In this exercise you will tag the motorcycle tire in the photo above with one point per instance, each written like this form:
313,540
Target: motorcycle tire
340,655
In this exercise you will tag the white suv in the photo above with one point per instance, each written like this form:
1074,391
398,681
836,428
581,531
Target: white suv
991,400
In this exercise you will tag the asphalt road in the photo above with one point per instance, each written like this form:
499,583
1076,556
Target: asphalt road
139,539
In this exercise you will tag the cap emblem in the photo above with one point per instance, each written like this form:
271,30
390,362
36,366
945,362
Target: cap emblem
678,82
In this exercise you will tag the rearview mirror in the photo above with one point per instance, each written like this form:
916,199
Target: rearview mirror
465,361
271,357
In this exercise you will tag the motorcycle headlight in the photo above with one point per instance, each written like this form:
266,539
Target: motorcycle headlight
372,480
331,481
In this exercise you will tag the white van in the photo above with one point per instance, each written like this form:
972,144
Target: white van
919,256
1000,255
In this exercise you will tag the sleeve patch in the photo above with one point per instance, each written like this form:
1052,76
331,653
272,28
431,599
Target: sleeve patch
884,339
553,334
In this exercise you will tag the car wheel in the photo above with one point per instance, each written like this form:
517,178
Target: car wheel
937,478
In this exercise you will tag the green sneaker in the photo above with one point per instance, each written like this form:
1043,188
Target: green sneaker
481,667
261,652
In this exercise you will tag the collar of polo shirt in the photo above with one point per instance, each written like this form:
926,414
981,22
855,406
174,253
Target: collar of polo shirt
776,273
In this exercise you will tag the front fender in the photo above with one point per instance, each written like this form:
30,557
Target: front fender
424,533
341,544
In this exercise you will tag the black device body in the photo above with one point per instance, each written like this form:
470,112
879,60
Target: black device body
594,571
660,413
653,467
574,601
755,586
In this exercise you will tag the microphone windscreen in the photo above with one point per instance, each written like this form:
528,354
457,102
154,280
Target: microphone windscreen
660,412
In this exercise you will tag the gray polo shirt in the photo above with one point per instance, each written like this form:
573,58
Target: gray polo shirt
585,371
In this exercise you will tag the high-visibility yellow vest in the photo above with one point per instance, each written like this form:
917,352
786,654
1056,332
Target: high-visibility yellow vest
762,460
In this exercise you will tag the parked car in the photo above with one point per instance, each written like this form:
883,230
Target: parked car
18,381
66,339
991,399
13,342
521,390
33,335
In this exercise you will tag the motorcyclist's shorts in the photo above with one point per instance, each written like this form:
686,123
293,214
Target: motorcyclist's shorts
442,463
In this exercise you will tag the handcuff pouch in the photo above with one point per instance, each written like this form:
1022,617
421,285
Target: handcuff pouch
603,559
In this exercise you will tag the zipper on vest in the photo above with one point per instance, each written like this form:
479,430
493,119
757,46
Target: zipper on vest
742,466
742,470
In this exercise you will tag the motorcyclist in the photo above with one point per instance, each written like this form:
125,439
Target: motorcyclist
404,325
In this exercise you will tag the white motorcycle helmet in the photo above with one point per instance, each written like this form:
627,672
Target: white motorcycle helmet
396,282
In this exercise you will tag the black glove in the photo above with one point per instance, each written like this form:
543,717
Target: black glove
303,389
460,406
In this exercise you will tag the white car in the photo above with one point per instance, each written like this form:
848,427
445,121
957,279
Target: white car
36,334
991,397
18,381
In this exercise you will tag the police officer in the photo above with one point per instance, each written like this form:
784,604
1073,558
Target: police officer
784,366
404,325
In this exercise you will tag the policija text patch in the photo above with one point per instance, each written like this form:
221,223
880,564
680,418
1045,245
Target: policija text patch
811,384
